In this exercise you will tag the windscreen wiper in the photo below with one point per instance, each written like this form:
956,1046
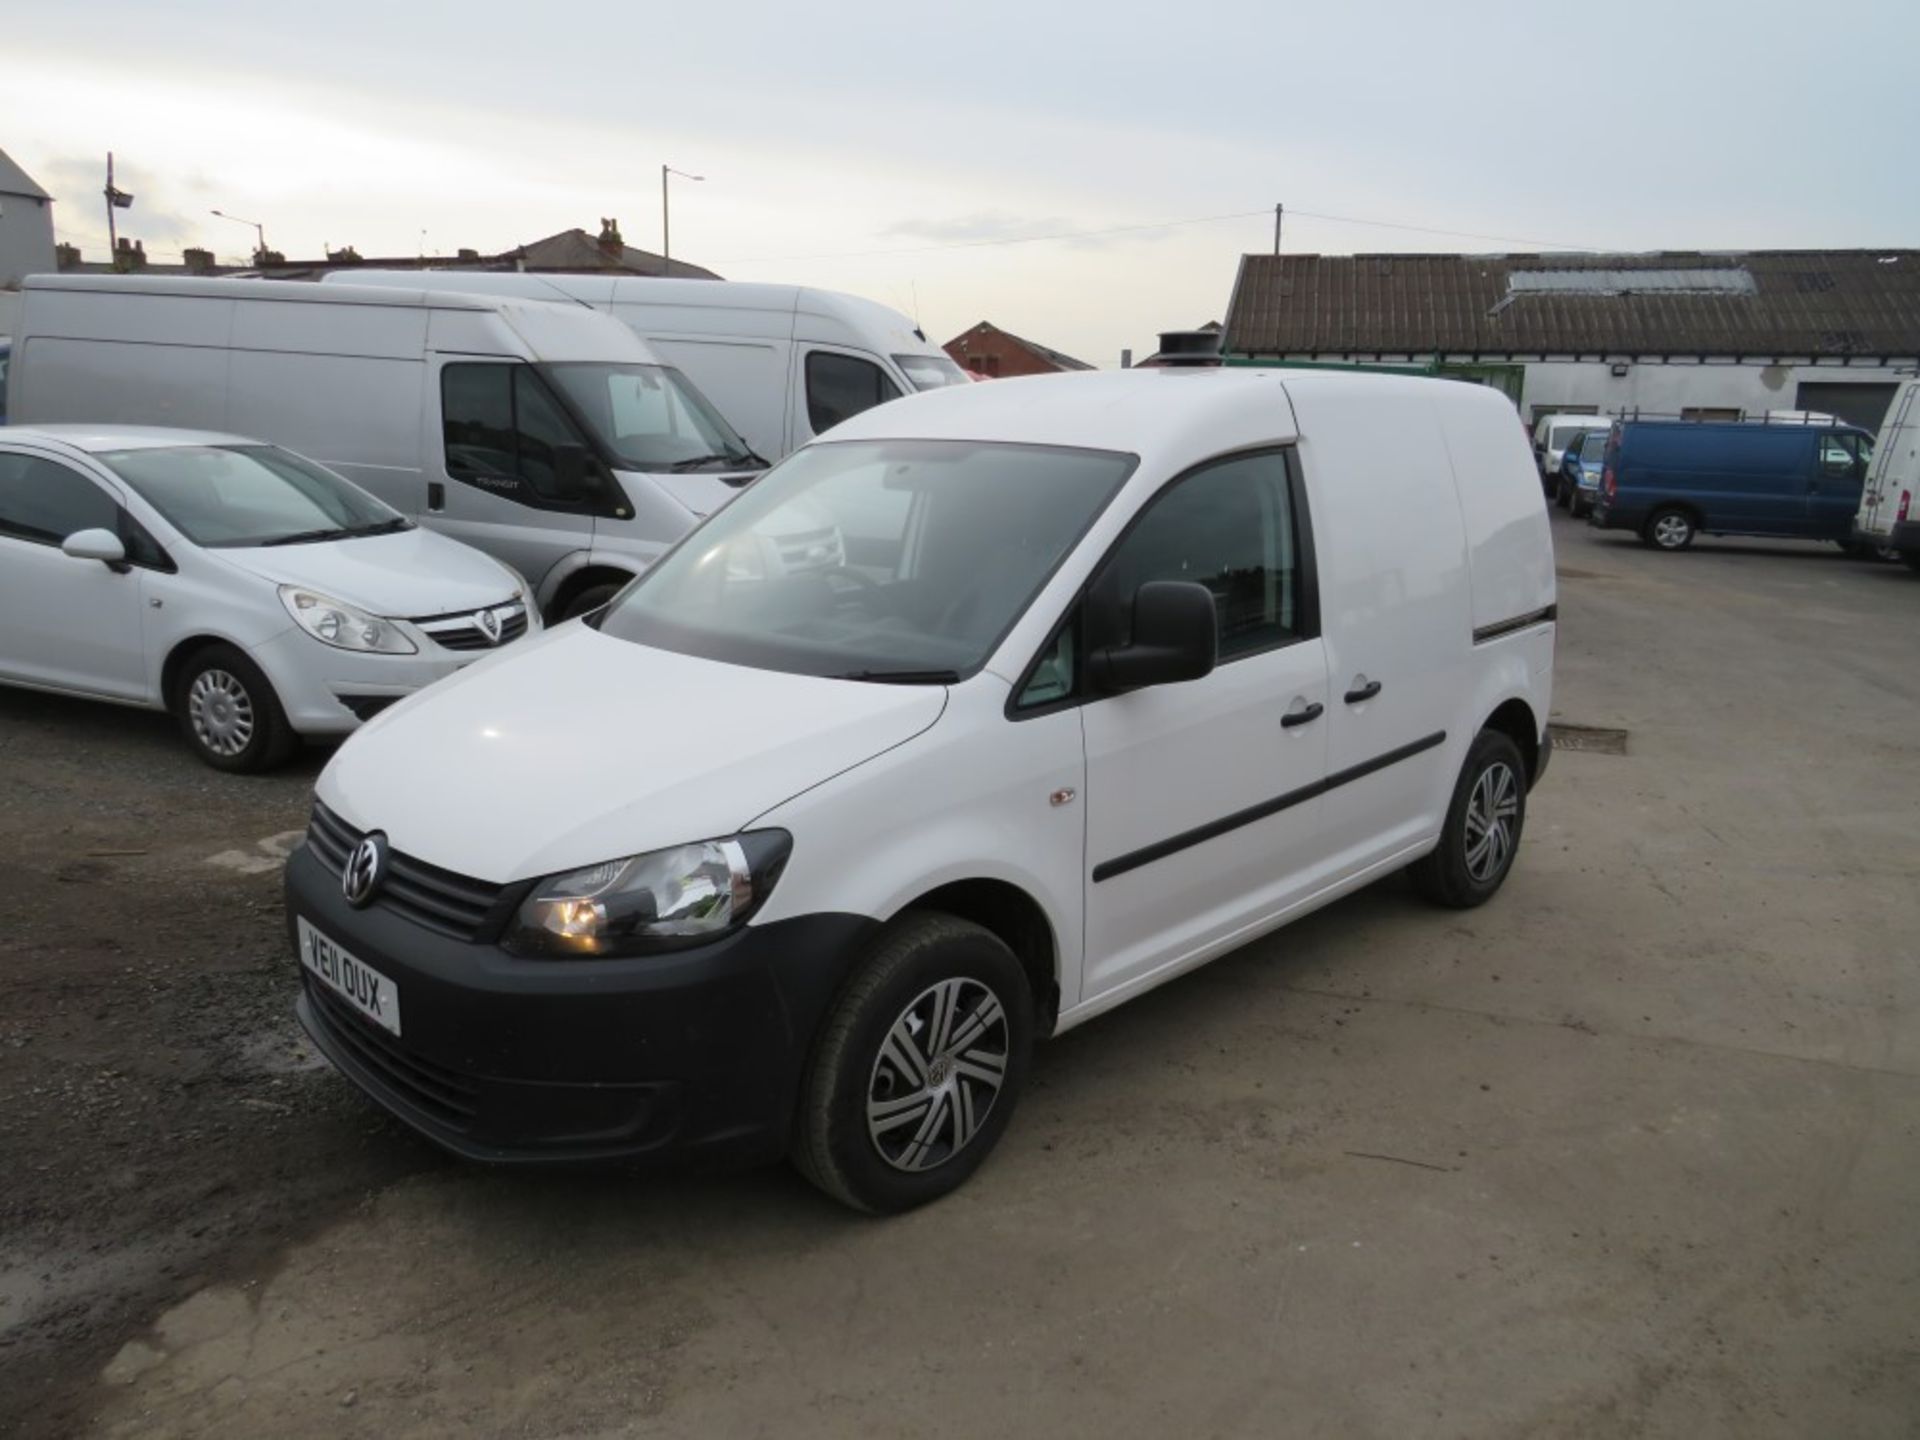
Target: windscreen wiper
695,462
903,677
307,537
381,527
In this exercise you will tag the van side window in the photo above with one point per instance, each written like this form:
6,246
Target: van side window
1052,676
1840,454
501,428
840,386
1229,526
45,502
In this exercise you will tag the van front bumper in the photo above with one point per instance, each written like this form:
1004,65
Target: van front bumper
694,1055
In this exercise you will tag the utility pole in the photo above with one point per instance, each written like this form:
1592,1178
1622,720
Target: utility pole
666,231
1278,212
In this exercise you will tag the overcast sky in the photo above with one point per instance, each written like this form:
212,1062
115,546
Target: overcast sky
869,147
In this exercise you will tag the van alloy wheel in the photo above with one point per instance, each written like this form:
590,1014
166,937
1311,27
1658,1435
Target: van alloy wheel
221,712
938,1074
1672,531
1489,824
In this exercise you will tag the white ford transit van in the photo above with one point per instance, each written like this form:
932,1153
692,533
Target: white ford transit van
783,363
1153,662
546,435
1888,521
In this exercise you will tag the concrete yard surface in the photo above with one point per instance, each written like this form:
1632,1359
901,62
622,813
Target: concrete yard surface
1632,1150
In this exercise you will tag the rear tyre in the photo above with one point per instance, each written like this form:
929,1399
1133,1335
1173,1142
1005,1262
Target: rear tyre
918,1066
1579,508
228,712
1562,496
1482,831
1670,528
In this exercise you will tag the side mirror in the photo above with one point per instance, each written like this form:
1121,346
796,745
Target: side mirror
573,473
1175,638
95,545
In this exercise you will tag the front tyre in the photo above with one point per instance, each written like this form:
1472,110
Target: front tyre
1669,529
1482,831
918,1066
228,712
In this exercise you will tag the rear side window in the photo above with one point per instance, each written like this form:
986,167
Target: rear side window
502,428
1229,526
841,386
45,502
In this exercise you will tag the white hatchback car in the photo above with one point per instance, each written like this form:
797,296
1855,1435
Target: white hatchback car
1130,669
257,595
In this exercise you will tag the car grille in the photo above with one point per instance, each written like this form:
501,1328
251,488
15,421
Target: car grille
462,630
441,900
443,1095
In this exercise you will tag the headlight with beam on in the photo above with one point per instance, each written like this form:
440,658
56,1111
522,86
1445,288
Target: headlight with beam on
343,626
663,900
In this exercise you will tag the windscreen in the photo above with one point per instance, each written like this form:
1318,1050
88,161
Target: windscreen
1593,445
651,417
1565,435
902,561
930,372
234,495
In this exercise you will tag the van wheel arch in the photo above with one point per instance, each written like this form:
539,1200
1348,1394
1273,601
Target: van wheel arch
1515,719
580,584
1016,919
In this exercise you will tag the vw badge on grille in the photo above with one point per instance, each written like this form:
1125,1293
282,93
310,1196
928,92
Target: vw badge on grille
489,623
366,868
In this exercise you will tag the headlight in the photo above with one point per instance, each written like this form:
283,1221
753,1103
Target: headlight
664,900
345,627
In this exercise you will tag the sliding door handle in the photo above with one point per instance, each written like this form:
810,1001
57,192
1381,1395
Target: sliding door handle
1302,715
1363,690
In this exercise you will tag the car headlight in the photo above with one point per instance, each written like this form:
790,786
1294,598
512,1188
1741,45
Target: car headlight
343,626
663,900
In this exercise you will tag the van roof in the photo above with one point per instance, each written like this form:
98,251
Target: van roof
297,292
1155,411
642,290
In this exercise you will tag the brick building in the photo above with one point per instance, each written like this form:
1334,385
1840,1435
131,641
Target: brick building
988,350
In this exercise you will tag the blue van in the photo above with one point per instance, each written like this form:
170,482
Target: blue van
1671,480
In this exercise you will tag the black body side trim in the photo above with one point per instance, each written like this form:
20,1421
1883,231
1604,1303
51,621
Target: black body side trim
1519,622
1213,829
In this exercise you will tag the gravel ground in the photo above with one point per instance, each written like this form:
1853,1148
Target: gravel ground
1628,1152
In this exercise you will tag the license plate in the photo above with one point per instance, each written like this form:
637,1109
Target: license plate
355,981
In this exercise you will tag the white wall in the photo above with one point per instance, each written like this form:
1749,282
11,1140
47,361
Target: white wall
26,238
1667,388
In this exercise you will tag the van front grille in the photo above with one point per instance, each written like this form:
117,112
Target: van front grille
441,900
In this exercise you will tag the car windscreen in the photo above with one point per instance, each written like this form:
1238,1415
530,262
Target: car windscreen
899,560
1593,445
1565,435
650,417
930,372
235,495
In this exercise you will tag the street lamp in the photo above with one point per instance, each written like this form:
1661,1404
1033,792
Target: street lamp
260,231
666,227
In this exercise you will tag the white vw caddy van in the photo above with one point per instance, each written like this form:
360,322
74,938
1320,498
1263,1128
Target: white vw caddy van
544,434
756,862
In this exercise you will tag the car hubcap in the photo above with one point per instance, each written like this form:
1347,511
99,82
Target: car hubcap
221,712
1670,531
1491,812
938,1074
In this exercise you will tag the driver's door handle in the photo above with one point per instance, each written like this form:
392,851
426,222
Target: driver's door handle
1363,692
1302,716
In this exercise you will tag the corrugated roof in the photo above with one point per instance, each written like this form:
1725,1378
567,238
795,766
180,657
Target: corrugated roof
1787,302
15,181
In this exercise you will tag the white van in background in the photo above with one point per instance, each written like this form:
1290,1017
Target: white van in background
1888,521
782,362
544,434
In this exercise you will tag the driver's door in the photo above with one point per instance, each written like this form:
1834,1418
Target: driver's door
72,624
1840,468
1203,801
